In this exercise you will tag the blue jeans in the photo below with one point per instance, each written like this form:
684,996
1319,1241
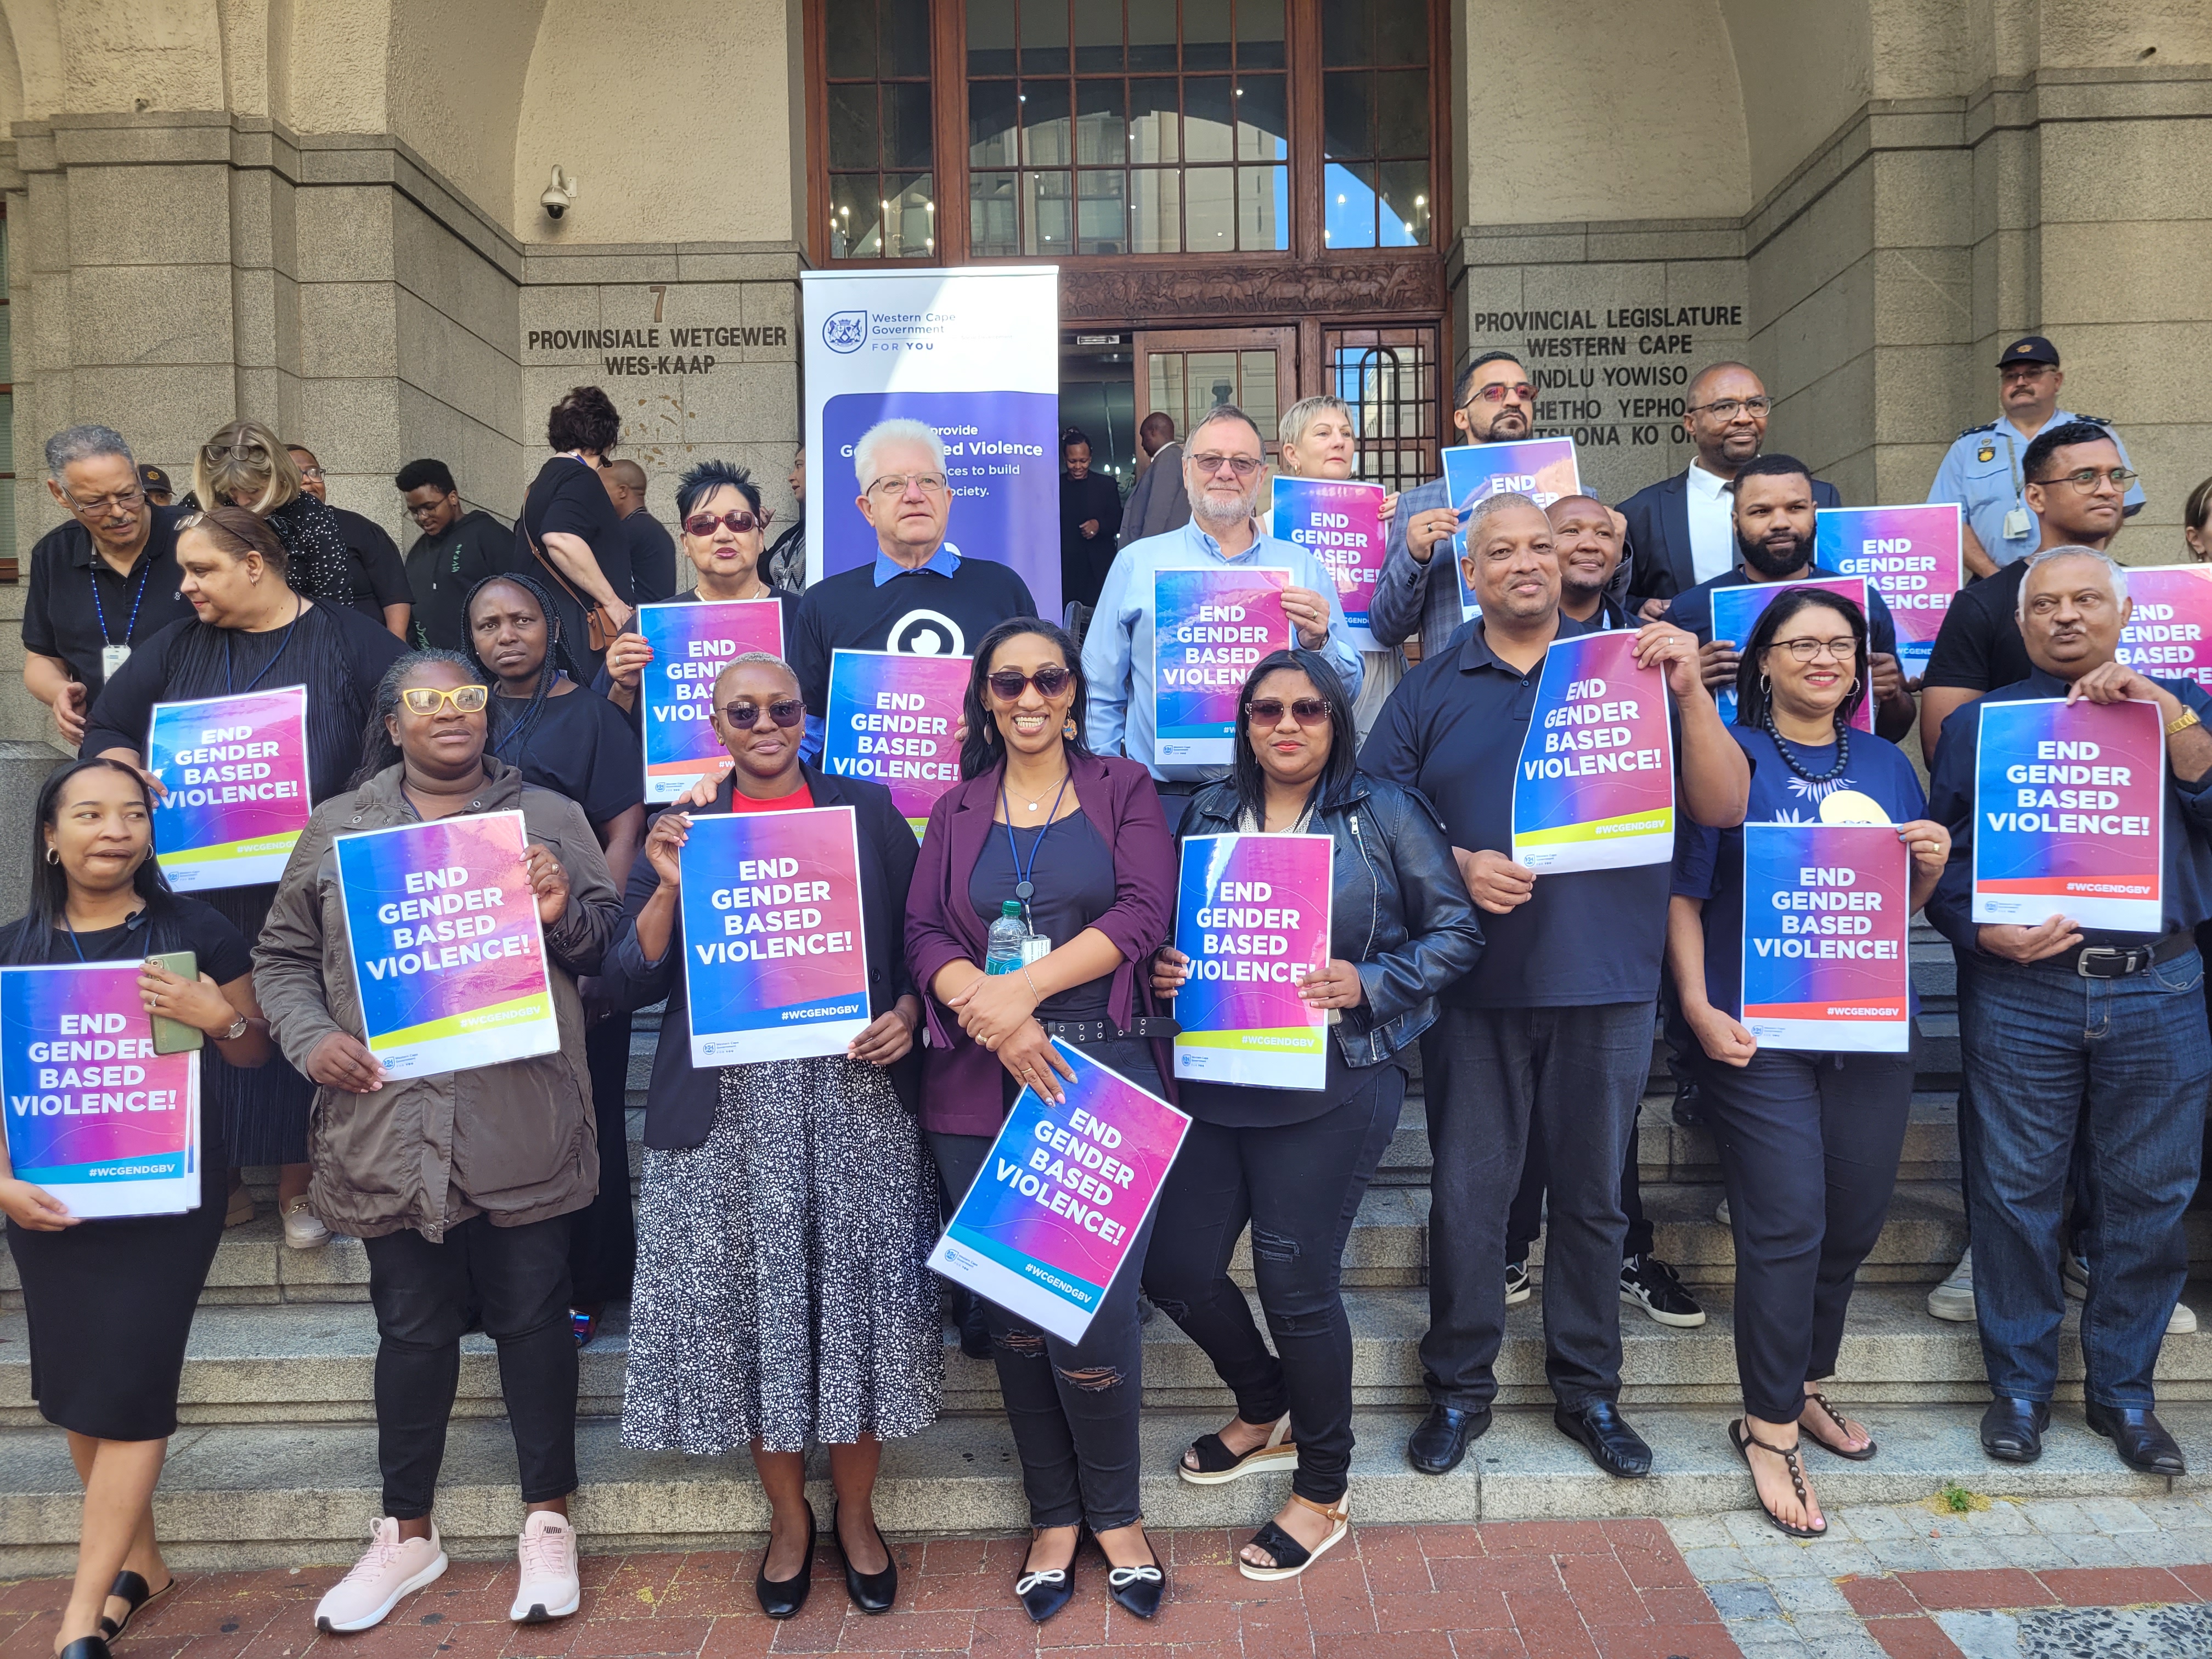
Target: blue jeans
2127,1062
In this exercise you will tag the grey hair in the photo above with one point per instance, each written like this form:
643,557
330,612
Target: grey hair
82,443
1304,413
1490,506
893,431
747,658
2116,573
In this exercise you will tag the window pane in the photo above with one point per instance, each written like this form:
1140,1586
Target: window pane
849,39
1401,112
1151,34
1097,37
1347,32
990,37
1347,119
1263,209
1405,203
1210,210
1166,387
1255,391
1102,213
853,142
855,217
1044,124
905,37
1205,34
991,124
1259,34
1155,212
910,232
1153,130
1208,120
1401,31
1210,380
1102,126
907,142
1348,204
1047,213
1263,122
1044,36
992,229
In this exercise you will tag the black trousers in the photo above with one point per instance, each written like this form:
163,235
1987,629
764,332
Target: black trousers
602,1249
515,1279
1299,1186
1808,1148
1491,1078
1524,1223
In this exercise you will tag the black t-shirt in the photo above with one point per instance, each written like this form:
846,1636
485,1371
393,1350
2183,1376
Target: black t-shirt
1978,648
1072,876
76,602
578,745
374,569
923,612
651,553
441,571
568,498
1083,563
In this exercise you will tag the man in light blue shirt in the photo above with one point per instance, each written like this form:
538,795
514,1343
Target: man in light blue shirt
1224,463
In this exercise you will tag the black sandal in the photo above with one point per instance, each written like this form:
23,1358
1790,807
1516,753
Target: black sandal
1741,1437
1218,1465
1291,1557
129,1587
1836,1418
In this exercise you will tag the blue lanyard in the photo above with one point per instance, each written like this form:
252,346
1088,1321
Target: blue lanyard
299,609
101,610
1023,887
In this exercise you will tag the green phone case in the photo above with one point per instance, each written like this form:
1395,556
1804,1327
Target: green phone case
173,1037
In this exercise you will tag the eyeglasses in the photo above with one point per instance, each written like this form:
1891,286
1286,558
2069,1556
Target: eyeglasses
246,451
1499,391
311,472
104,503
421,510
1242,466
702,524
1007,683
2089,477
428,700
1842,650
1269,711
1727,408
744,714
892,485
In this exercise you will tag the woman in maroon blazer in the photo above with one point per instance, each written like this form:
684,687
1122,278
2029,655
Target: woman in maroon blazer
1079,843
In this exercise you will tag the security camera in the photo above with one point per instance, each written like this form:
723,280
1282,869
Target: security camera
558,195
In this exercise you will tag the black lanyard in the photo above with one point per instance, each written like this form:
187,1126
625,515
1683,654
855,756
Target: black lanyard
101,610
1023,887
284,645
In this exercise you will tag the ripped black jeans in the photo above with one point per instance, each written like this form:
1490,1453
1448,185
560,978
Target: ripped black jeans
1299,1186
1072,1407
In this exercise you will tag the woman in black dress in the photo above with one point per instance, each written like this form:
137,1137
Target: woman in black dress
97,896
574,743
569,536
252,630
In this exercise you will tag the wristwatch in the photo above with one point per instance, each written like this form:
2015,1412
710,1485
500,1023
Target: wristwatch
2182,721
235,1031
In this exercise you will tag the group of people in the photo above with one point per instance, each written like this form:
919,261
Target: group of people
774,1265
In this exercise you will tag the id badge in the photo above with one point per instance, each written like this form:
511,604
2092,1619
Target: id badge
2017,524
1035,948
112,657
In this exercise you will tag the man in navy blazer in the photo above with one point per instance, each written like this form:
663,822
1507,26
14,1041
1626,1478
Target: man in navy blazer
1681,529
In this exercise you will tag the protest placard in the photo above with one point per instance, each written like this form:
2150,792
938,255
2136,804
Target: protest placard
1061,1197
1339,521
1911,554
1736,611
691,644
775,962
1252,914
1542,469
2069,814
2169,630
94,1115
1595,788
1826,909
448,951
1210,625
891,718
234,770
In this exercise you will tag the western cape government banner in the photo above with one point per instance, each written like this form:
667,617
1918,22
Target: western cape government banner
1542,469
691,644
891,718
1595,787
236,771
1736,611
447,952
2169,631
1911,554
1826,907
973,354
1252,915
1210,626
94,1115
1339,521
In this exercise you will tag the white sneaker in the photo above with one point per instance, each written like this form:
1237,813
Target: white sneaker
1721,1214
1954,1299
301,1231
2183,1321
2074,1272
393,1567
550,1588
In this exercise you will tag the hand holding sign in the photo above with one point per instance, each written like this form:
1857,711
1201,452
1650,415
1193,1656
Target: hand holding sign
343,1061
1334,984
627,658
33,1208
1309,615
548,881
1494,881
1662,645
1170,971
2016,944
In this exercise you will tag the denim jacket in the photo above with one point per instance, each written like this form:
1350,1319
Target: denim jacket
1398,908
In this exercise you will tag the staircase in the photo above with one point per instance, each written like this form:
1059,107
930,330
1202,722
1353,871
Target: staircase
275,1463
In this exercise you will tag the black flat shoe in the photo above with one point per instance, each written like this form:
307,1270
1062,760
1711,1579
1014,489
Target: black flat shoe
1045,1593
85,1647
1437,1446
782,1598
1599,1429
2012,1430
872,1592
2142,1440
974,1335
1138,1589
131,1588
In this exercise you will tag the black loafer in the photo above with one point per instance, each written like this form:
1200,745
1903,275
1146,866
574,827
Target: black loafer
1138,1589
1689,1108
2012,1430
85,1647
872,1592
1437,1446
1598,1427
782,1598
2143,1443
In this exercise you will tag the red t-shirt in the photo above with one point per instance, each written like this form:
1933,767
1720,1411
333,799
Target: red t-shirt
797,800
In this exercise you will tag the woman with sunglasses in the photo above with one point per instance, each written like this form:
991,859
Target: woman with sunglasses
1077,841
461,1185
1808,1142
251,631
1295,1163
573,742
787,1206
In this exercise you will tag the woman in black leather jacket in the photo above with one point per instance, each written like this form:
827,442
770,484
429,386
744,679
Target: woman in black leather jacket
1294,1163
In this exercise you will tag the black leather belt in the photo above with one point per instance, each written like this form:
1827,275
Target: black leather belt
2122,961
1080,1031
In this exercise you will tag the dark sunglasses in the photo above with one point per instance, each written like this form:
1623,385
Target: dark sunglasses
786,712
1269,711
1006,684
702,524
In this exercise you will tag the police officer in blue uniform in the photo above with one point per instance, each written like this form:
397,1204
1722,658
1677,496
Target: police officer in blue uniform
1982,473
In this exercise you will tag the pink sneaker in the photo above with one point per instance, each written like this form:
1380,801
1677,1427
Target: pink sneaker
550,1588
392,1567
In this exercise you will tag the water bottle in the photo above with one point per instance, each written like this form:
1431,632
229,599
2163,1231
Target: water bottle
1004,952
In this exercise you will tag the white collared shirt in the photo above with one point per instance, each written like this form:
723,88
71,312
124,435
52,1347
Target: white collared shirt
1712,524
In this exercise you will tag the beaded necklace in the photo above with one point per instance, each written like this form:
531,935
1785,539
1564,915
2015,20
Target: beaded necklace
1843,750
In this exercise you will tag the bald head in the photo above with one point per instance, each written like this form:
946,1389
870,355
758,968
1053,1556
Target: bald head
1725,412
625,482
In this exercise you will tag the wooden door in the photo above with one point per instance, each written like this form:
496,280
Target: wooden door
1183,373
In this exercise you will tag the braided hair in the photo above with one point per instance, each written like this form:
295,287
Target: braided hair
380,750
557,662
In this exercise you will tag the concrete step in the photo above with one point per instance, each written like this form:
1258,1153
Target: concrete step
262,1497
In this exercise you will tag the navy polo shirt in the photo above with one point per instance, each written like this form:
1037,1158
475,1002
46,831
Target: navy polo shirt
1694,610
1453,730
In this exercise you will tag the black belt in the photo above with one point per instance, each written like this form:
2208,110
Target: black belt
2122,961
1080,1031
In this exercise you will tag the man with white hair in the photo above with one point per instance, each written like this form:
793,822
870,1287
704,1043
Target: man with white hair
2076,1030
920,595
1224,464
